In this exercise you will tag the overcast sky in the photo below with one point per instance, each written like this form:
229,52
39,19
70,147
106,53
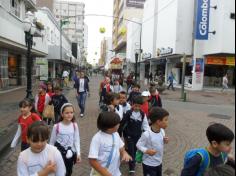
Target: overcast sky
101,7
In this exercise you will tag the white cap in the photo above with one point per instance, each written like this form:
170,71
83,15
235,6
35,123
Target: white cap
146,94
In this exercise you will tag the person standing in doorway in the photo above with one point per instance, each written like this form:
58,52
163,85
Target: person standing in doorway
82,86
171,81
225,82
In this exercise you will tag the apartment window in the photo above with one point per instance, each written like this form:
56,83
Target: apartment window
15,7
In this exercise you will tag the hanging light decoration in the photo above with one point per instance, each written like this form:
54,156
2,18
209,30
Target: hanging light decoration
102,30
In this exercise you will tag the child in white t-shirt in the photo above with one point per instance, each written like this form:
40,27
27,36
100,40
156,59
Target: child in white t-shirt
152,142
65,136
40,159
107,148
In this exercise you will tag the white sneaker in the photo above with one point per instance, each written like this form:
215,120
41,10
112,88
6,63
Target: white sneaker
81,115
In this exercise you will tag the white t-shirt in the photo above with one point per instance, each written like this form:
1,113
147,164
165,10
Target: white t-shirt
155,141
101,147
68,136
117,88
126,108
81,85
29,163
120,112
65,74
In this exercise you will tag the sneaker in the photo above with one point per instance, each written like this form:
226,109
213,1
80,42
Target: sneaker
132,173
81,115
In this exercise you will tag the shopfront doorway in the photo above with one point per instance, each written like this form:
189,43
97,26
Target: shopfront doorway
13,70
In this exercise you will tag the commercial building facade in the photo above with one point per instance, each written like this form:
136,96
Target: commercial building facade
123,10
56,62
13,47
73,13
174,32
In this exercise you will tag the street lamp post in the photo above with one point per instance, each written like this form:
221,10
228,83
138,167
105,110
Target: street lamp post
29,29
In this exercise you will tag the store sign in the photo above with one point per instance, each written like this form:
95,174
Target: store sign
202,21
230,61
43,68
135,3
199,65
164,51
214,60
147,56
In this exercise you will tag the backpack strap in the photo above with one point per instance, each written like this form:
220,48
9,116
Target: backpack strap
112,152
205,163
57,129
143,115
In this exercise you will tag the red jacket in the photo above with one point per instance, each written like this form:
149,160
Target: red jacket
145,108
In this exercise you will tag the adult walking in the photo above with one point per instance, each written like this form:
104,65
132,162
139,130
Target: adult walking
82,86
225,82
171,81
65,77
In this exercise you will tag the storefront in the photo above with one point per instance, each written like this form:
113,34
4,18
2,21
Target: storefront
13,70
216,67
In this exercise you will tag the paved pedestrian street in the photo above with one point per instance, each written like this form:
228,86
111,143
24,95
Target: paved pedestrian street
188,122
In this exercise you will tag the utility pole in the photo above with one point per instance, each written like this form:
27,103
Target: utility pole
183,96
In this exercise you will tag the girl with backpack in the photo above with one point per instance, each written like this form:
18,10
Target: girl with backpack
26,118
65,136
107,148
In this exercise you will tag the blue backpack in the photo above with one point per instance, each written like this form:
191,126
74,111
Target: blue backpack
205,164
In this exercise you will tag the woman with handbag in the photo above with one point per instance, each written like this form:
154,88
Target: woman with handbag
107,148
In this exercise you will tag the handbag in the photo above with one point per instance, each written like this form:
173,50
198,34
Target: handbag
94,172
49,112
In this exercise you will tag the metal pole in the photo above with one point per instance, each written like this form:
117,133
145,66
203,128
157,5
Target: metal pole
136,67
183,76
29,43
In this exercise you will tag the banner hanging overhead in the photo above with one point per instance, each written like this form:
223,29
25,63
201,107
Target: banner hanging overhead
202,21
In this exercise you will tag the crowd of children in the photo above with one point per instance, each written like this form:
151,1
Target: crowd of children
129,127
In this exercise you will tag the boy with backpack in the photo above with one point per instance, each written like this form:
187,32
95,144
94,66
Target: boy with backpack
132,125
197,161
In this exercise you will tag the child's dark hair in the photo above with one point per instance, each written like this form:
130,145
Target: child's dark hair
66,105
107,120
111,97
136,86
38,132
219,133
152,89
158,113
27,103
138,100
123,93
221,170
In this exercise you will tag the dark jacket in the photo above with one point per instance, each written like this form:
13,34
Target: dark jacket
155,101
86,84
58,101
130,127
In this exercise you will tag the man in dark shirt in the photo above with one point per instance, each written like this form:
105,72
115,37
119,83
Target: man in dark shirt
220,138
135,93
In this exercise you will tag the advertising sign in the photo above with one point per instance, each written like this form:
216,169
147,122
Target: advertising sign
43,68
202,21
199,65
135,3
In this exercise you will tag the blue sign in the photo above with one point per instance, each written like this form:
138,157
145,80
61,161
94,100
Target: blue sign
202,21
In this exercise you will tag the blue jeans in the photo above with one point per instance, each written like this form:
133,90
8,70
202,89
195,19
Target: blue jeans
152,171
81,101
